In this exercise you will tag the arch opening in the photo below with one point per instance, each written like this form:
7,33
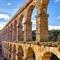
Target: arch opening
15,30
32,12
49,56
21,28
20,53
33,19
30,54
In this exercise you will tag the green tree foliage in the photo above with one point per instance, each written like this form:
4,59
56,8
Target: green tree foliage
54,35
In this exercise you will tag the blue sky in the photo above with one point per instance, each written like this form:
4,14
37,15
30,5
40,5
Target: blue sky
9,7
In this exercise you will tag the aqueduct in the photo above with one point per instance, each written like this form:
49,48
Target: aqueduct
17,43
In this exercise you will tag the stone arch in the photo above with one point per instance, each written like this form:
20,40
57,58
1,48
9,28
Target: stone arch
49,56
20,53
28,24
20,20
29,13
14,52
20,30
15,30
32,8
30,55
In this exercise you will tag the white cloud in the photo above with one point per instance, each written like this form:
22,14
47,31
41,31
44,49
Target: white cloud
33,24
56,1
2,24
34,21
9,3
33,27
50,27
4,16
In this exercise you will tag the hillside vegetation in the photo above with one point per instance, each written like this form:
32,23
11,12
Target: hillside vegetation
54,35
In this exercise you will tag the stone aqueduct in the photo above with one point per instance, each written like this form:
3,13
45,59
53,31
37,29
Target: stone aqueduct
18,45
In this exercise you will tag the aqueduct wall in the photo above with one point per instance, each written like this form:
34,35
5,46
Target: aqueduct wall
17,44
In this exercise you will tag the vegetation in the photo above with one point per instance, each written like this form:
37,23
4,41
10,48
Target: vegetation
54,35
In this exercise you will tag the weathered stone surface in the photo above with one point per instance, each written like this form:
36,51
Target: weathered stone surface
19,44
